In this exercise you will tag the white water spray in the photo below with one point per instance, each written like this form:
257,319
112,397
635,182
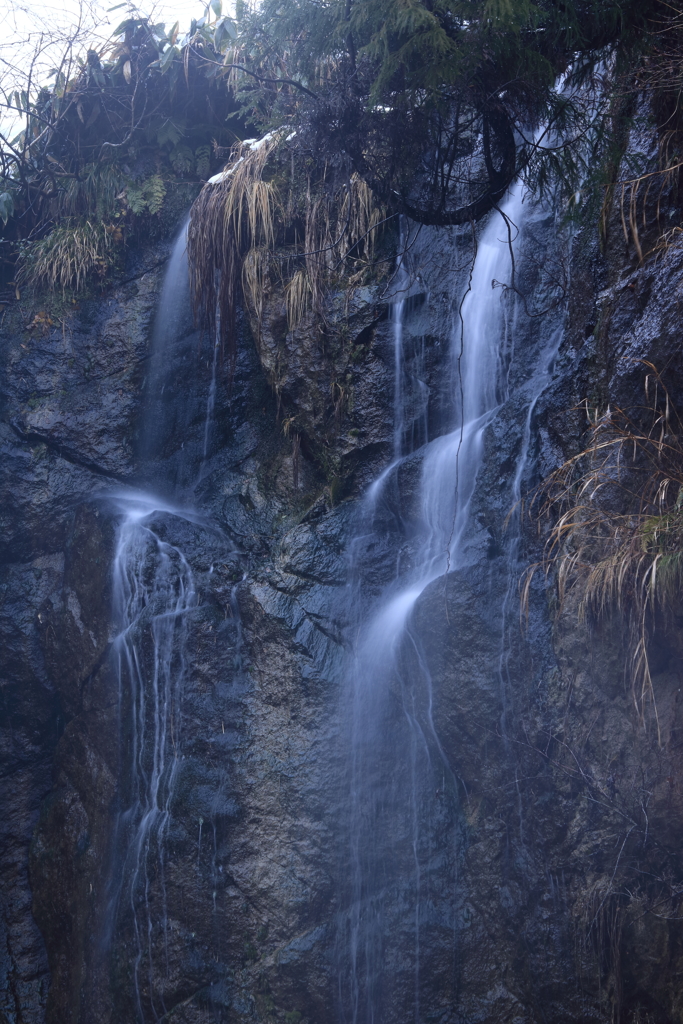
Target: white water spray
154,591
155,595
392,791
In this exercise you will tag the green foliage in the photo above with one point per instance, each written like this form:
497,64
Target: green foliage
148,195
169,133
203,161
93,193
182,159
108,140
433,104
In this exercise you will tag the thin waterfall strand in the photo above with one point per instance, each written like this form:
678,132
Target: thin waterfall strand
376,671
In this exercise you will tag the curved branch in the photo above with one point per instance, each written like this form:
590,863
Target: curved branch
259,78
499,181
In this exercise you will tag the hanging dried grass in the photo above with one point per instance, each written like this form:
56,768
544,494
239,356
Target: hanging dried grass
233,216
66,257
629,560
299,298
640,205
256,279
236,238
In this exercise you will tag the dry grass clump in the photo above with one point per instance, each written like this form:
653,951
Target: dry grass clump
640,202
230,220
299,298
67,256
259,224
658,75
617,534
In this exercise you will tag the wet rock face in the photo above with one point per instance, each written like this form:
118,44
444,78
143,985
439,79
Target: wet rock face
237,894
57,450
31,723
544,881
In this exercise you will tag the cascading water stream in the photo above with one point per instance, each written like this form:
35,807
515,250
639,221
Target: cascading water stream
211,400
402,283
154,591
539,381
403,810
393,815
155,595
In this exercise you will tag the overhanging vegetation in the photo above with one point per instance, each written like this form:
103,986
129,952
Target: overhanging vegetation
432,105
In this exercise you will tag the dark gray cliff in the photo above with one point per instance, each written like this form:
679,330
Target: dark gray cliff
550,864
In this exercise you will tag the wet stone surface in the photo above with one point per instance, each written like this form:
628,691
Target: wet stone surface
236,901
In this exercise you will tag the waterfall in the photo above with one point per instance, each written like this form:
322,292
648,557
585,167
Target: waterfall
410,391
397,312
403,814
176,423
155,596
154,592
211,399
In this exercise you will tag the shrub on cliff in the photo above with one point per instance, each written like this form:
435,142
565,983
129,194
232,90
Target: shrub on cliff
113,131
433,104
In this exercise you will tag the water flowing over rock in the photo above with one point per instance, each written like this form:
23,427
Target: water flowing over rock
275,745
